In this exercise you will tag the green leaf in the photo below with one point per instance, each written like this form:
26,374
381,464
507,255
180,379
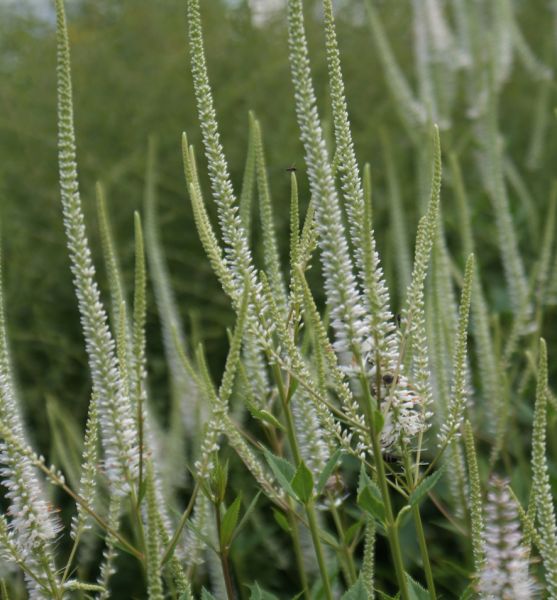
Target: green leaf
403,516
266,417
425,487
327,471
281,520
415,590
205,595
369,499
229,522
468,593
353,531
378,421
282,470
141,492
369,496
356,592
258,594
247,514
302,483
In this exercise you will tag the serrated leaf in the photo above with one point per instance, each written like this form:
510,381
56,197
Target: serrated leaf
425,487
369,499
327,471
259,594
281,520
415,590
356,592
229,522
302,483
282,470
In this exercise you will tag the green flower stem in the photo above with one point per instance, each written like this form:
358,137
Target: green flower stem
420,532
309,507
223,555
298,550
349,568
390,524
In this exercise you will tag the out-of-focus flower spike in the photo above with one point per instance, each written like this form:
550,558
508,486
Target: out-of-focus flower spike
398,219
153,562
31,522
88,481
476,511
411,111
504,574
184,396
541,487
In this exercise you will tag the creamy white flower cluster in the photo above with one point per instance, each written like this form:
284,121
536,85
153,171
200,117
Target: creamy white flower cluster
504,575
365,332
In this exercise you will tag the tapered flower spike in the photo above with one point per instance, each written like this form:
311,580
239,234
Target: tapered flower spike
107,568
183,392
154,574
118,427
248,181
414,313
88,480
541,488
115,284
368,563
476,512
270,245
233,232
343,297
491,168
379,319
399,238
504,574
451,426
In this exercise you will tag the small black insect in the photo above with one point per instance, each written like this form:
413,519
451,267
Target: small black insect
291,169
398,319
388,379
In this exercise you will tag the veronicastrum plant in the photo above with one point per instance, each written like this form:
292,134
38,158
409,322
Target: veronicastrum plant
350,417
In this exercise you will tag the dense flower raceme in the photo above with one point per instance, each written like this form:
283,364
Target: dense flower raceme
505,573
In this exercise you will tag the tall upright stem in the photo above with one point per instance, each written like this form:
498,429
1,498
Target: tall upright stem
420,532
309,507
390,524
